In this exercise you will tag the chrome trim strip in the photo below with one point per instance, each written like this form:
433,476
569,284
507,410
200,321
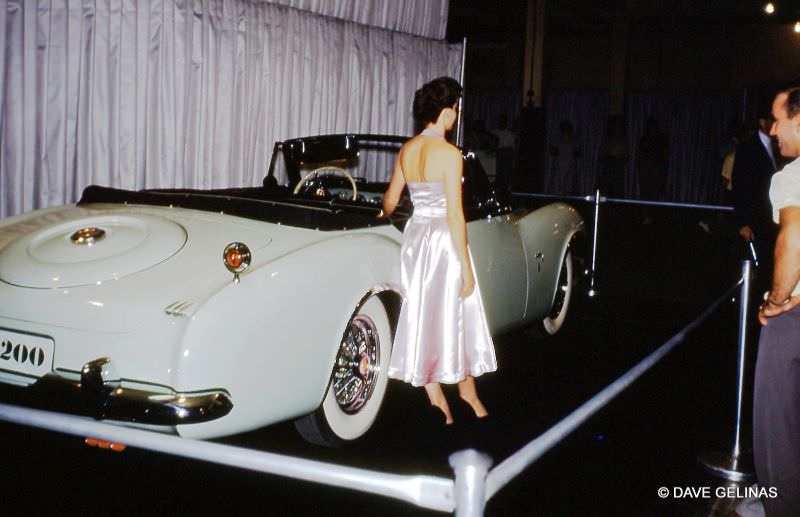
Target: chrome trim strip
178,308
239,198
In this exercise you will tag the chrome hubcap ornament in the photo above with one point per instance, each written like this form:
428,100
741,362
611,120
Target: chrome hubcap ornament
356,371
87,236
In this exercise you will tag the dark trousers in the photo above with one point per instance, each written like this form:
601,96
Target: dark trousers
776,414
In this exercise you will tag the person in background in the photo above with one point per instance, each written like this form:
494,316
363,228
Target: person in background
753,167
776,402
727,156
531,148
504,154
613,158
564,152
652,164
478,138
737,133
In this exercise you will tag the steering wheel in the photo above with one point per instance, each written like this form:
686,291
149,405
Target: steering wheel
332,168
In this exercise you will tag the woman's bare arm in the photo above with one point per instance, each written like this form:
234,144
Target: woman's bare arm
450,162
395,190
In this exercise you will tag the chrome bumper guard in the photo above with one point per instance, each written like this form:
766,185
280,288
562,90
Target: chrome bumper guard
99,395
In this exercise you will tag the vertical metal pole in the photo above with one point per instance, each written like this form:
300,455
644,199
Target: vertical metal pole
460,120
735,466
743,310
592,290
471,468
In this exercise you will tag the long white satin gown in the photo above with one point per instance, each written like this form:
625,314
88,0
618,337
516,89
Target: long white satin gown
440,337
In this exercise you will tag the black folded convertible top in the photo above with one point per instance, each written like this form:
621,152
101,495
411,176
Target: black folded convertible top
272,205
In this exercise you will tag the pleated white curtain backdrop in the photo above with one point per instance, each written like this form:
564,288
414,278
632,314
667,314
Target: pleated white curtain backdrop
171,93
426,18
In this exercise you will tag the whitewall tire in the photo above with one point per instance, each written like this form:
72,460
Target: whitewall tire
358,381
558,312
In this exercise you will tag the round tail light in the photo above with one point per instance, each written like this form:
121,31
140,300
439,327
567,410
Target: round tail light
236,258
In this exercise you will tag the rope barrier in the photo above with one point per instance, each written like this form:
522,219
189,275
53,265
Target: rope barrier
519,461
597,199
425,491
604,199
467,495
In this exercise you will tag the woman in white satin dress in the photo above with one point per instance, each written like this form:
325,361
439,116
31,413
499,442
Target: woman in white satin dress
442,335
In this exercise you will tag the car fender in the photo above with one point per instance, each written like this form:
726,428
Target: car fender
546,234
271,339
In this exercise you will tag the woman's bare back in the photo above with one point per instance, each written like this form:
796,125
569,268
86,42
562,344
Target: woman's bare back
425,159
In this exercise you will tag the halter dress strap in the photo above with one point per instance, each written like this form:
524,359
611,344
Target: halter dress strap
431,132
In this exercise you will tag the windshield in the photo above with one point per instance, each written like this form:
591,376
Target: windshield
368,157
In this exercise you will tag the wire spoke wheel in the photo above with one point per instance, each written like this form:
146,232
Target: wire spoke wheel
358,380
357,365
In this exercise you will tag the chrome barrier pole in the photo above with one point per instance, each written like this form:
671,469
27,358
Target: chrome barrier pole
735,466
592,291
461,78
744,305
425,491
471,468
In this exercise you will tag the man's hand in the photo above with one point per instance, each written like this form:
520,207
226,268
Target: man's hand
747,233
770,308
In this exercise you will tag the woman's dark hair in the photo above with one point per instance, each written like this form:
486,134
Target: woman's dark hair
433,97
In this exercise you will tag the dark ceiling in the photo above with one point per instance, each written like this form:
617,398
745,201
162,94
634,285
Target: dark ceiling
485,20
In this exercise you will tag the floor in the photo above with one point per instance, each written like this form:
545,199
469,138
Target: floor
652,279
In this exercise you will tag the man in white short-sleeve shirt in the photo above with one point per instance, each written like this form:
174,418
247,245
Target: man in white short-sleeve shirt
784,192
776,403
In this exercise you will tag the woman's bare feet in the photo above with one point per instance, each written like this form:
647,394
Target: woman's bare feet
478,407
438,400
448,417
469,394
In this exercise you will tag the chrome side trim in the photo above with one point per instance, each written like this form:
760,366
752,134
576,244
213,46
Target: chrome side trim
99,394
178,309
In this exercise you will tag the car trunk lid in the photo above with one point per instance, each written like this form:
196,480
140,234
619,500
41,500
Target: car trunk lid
85,249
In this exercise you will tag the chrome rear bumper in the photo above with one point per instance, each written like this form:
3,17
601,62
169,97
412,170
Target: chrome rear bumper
99,394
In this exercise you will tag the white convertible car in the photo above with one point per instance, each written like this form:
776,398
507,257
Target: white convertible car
212,312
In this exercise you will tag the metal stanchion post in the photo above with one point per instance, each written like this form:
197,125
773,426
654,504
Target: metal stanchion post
592,291
471,468
735,466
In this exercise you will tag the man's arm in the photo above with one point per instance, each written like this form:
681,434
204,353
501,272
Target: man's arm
787,266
